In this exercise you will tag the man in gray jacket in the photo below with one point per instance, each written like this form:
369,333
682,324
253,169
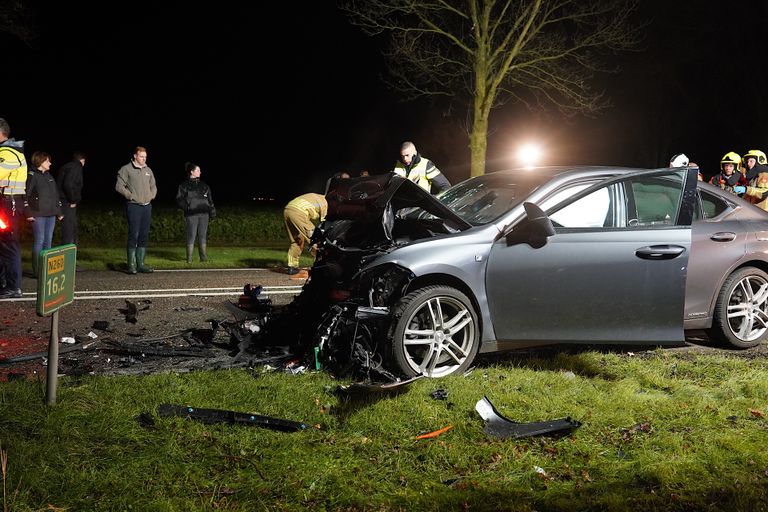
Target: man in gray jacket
136,183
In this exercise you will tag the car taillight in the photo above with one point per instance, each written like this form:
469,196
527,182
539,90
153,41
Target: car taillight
4,224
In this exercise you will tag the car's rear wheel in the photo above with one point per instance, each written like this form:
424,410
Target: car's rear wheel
741,311
436,332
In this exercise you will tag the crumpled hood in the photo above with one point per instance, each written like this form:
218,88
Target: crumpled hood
381,196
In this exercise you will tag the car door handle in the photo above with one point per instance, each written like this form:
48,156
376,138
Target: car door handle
659,252
723,236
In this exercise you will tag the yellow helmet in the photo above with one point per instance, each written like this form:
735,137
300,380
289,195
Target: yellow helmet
731,158
757,155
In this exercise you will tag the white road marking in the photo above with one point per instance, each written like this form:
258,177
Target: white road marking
174,292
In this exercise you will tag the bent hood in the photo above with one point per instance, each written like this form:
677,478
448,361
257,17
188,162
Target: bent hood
382,196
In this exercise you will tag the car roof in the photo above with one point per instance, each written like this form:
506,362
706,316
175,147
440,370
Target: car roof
553,171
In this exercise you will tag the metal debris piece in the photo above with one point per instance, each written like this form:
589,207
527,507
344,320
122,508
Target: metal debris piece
232,417
497,425
439,394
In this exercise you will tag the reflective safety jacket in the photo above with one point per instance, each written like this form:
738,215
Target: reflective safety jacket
313,205
424,173
13,168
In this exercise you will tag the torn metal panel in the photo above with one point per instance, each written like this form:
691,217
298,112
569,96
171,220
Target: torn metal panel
231,417
497,425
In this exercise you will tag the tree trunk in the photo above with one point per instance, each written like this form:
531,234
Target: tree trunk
478,145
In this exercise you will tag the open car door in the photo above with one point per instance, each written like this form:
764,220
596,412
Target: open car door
606,264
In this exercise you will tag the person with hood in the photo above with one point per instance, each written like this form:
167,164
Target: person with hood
422,171
729,178
194,198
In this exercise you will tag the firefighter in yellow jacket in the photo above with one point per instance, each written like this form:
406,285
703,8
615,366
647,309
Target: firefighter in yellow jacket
423,172
301,215
13,183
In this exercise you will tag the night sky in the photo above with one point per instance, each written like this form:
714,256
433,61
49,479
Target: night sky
272,100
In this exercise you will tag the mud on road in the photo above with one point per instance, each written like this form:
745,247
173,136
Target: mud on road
170,321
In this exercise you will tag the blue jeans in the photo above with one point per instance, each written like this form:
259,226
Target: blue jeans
42,230
139,219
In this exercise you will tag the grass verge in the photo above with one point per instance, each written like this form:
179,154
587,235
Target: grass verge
668,431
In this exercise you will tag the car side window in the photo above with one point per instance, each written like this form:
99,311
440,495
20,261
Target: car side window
656,200
711,206
591,211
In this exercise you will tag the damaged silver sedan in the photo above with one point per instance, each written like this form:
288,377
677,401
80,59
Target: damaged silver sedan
408,284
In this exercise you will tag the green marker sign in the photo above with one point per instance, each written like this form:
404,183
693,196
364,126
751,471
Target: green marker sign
56,282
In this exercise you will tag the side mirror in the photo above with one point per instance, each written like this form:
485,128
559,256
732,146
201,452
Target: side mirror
533,230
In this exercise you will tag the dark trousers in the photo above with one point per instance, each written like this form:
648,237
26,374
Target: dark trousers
197,227
69,225
10,246
139,219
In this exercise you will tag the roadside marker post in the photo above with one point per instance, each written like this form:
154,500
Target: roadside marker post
55,289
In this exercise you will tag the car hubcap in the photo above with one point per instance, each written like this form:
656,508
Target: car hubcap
748,309
439,337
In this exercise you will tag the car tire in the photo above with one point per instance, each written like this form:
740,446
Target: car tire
741,312
420,347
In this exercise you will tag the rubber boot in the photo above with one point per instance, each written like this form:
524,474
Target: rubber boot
132,260
141,253
190,250
203,249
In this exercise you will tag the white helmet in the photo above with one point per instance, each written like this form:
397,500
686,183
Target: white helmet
679,160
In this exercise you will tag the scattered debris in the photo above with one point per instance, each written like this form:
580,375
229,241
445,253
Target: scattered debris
133,308
101,325
146,420
232,417
439,394
497,425
188,308
436,433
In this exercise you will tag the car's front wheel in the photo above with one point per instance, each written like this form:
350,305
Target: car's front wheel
436,332
741,311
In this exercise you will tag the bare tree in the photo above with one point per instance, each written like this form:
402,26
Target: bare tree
17,19
488,52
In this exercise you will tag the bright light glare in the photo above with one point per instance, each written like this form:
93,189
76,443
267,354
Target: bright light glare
529,155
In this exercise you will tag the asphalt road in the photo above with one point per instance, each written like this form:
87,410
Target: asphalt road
169,301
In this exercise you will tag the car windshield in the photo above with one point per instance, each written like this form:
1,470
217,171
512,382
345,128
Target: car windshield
483,199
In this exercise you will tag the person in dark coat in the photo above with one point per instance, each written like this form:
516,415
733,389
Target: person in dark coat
69,179
42,205
194,198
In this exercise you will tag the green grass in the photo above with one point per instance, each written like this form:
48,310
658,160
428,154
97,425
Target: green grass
671,431
240,236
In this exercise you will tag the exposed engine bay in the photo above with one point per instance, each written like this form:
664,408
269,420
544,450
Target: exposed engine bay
344,313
